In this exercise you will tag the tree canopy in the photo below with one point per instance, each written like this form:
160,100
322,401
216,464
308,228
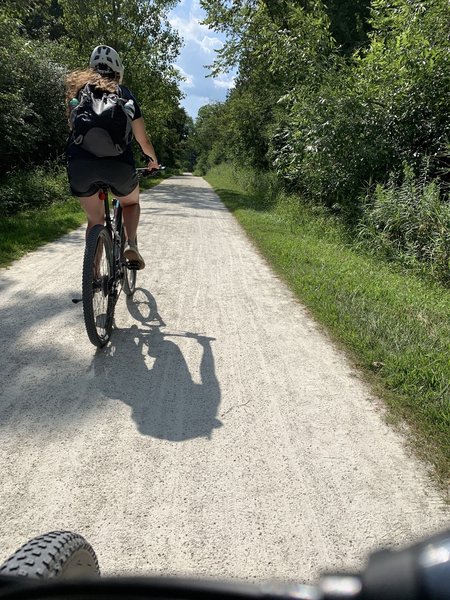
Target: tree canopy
44,39
332,95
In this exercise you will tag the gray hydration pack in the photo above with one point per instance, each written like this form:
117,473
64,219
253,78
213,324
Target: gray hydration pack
101,122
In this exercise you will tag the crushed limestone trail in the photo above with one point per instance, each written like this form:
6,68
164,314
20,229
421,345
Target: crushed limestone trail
219,434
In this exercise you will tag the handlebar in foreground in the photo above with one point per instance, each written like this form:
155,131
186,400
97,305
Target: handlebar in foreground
420,572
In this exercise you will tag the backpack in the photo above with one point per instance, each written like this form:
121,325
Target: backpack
101,122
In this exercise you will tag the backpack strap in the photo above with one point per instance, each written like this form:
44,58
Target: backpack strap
82,94
86,89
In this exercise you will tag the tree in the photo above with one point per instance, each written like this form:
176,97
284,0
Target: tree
349,23
335,95
137,29
278,47
32,120
43,39
209,136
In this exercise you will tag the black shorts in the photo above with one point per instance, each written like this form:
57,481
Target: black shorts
86,177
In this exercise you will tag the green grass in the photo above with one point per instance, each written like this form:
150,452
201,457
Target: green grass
30,229
394,325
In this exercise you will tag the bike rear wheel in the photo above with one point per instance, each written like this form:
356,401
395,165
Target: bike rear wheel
61,554
98,293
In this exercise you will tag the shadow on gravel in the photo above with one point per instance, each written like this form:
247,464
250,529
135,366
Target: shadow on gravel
146,370
192,197
39,384
234,200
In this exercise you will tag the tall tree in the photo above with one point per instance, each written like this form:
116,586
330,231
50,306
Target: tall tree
137,29
277,47
45,38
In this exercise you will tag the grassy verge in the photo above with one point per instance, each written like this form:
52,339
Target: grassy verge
30,229
395,325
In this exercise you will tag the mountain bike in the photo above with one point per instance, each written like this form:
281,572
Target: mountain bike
105,270
420,572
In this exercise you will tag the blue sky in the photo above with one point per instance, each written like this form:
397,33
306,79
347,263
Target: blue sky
198,50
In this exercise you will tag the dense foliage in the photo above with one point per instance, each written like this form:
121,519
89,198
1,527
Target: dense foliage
32,119
44,39
336,98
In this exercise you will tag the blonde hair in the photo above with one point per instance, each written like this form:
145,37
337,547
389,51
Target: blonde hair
79,78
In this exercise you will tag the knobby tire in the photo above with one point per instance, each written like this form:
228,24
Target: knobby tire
98,301
61,554
129,275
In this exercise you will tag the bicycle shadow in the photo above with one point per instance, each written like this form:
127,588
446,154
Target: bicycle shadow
146,370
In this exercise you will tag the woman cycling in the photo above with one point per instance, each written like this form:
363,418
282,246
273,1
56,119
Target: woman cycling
88,171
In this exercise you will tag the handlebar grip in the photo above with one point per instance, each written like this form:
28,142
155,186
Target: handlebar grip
144,172
392,576
420,572
434,564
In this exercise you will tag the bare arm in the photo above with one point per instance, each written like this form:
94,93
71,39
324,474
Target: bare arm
142,139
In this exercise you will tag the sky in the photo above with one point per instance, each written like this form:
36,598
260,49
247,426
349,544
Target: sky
198,50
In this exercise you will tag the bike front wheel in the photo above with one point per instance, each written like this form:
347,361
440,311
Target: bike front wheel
129,281
129,275
61,554
97,288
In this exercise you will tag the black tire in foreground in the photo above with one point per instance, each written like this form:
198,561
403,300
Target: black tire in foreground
60,554
98,300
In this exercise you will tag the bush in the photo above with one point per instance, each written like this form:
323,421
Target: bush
32,119
262,184
411,222
332,144
35,188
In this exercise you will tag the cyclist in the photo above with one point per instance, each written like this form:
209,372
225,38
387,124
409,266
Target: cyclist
87,171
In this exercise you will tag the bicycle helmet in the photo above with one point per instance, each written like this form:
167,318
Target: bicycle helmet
106,61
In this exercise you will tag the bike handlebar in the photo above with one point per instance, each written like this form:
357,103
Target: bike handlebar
145,172
420,572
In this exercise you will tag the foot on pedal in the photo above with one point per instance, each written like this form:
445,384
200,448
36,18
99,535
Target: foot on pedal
133,256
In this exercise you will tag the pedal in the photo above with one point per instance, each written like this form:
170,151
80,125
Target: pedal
76,300
133,265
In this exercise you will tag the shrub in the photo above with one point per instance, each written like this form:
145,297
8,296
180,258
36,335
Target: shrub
32,119
410,221
35,188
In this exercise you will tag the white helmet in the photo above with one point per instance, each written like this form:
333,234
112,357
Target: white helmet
105,60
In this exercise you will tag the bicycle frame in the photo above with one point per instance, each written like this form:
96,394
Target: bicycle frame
114,226
101,285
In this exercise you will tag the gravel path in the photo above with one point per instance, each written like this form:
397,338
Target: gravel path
219,434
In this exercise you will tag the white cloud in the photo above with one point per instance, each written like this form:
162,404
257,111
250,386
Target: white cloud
224,81
196,53
191,30
193,103
188,79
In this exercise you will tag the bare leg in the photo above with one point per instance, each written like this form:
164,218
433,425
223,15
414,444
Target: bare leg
94,209
131,211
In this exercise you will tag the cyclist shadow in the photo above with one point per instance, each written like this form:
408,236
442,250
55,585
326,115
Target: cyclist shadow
147,370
